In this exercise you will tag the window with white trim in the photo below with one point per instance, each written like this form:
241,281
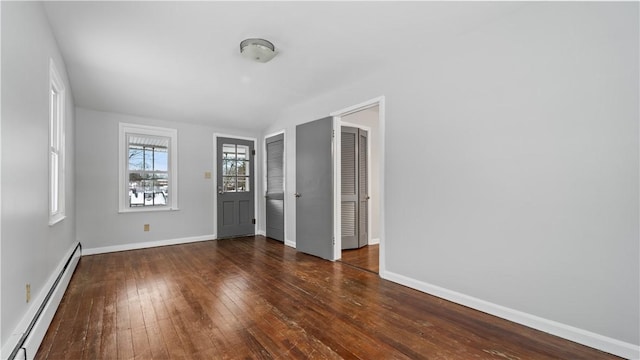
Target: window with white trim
148,168
56,146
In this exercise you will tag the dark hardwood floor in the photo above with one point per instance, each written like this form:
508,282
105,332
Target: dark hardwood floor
256,298
366,257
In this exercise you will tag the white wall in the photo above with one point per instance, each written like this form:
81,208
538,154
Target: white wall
99,223
524,187
31,249
369,118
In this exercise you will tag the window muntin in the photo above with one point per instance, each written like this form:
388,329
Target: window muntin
148,176
236,165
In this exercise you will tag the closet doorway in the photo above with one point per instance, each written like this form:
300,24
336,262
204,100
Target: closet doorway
360,189
274,184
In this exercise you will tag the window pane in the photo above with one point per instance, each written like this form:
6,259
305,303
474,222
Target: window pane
228,151
243,168
162,180
160,198
228,167
136,195
54,183
55,115
135,158
148,189
134,179
148,158
161,159
147,184
243,152
229,184
148,197
243,184
136,189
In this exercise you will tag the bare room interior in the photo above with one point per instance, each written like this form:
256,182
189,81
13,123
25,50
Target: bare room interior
357,180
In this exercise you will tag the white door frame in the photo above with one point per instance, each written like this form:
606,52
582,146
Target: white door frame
337,184
284,179
214,175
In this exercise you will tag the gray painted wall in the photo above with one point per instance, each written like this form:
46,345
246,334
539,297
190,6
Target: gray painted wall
526,136
31,249
100,224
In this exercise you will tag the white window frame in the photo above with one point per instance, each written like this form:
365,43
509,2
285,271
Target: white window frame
57,99
123,163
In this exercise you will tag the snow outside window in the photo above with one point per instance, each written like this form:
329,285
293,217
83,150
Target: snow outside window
148,163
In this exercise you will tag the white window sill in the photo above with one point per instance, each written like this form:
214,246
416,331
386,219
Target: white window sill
146,209
56,219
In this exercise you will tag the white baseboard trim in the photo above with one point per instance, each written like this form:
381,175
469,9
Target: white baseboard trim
34,339
584,337
374,241
261,232
144,245
290,243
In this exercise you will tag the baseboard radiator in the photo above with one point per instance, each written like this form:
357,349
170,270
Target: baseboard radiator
31,338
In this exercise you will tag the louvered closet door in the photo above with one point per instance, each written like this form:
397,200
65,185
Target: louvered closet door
363,189
274,196
349,189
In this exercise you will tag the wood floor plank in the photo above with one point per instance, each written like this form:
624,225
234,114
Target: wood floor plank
140,340
366,257
255,298
94,332
124,338
157,344
172,340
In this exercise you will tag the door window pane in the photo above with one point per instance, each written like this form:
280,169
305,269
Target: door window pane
236,165
228,168
228,151
243,168
243,184
229,183
242,152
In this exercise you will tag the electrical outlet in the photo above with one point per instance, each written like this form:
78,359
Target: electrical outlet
146,227
28,292
207,175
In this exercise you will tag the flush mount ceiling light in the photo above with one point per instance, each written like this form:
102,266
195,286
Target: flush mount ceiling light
259,50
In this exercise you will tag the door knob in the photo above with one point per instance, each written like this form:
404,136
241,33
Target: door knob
220,192
297,195
368,197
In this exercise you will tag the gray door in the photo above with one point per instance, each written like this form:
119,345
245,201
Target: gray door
235,187
349,187
274,195
314,188
354,188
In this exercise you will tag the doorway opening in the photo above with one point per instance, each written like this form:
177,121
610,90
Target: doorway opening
274,185
360,187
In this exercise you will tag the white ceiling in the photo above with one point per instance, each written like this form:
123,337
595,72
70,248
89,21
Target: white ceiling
181,61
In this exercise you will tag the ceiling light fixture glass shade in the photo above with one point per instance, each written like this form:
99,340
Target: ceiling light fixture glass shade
259,50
